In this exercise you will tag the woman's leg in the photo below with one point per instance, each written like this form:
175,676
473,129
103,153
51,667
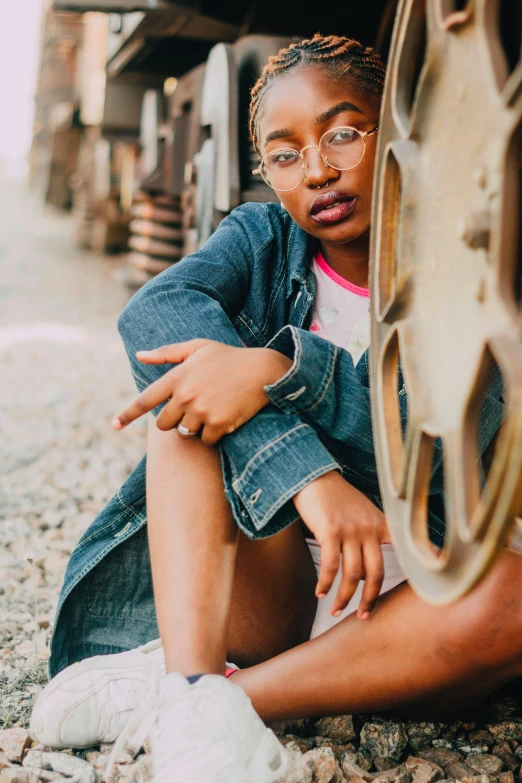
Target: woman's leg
273,598
407,655
209,602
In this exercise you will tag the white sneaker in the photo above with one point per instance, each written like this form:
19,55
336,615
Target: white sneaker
207,732
90,702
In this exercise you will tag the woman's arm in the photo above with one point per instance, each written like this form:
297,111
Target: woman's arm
274,452
325,389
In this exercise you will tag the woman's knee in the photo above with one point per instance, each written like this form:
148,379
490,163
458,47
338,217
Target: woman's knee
487,623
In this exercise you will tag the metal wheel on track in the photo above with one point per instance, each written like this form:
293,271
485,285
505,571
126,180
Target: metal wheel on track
446,250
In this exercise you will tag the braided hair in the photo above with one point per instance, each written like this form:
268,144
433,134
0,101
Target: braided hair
341,56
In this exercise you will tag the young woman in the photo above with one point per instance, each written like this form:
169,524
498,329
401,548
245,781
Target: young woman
264,425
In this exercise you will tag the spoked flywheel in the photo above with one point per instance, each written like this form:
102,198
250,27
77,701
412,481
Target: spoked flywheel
446,250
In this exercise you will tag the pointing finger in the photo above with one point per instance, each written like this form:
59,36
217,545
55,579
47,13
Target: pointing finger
154,395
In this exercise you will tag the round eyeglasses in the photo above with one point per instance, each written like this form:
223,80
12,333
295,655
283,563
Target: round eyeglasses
339,148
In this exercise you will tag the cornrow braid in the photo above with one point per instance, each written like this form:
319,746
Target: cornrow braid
342,56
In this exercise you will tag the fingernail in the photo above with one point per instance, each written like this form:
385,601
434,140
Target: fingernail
321,595
364,616
116,424
337,613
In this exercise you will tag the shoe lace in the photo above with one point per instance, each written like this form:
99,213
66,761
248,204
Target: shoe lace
143,718
139,724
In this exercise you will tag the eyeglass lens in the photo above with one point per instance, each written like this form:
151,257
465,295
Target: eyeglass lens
342,148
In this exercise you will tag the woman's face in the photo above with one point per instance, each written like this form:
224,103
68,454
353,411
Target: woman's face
297,110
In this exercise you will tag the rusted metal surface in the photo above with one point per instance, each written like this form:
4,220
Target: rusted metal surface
156,240
445,282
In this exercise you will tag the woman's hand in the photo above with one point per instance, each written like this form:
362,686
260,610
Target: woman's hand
347,526
215,387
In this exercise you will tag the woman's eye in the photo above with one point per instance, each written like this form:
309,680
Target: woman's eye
284,158
343,135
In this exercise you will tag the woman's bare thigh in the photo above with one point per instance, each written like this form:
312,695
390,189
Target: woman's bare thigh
273,600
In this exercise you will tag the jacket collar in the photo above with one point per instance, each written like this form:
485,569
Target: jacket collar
300,248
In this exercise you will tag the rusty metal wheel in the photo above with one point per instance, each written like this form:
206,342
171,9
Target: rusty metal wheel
446,270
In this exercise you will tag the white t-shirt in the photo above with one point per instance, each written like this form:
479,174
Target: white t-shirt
341,310
342,315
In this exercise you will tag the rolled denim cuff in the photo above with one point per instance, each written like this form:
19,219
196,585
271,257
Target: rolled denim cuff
260,492
307,381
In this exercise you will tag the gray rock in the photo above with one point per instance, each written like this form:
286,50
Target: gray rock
4,761
338,728
386,740
139,772
302,770
100,763
422,734
393,775
13,743
504,752
465,748
507,730
426,774
481,737
303,743
440,756
69,766
326,768
484,763
479,779
423,771
459,770
301,728
360,761
338,748
450,730
444,743
352,771
383,765
18,775
400,777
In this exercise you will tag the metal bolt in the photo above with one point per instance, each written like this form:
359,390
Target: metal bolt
474,229
480,176
480,291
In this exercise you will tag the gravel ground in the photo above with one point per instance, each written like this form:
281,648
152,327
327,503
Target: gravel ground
64,374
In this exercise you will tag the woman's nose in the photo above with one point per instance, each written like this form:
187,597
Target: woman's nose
318,173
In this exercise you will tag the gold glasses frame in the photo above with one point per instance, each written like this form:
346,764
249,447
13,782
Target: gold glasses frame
362,134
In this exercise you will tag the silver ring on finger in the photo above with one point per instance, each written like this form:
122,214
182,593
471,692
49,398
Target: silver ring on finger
185,432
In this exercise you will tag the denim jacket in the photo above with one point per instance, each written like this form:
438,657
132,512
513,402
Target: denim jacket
251,285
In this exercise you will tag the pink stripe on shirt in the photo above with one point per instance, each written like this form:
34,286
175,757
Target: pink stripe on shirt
355,289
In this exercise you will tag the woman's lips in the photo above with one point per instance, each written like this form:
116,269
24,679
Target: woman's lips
336,213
